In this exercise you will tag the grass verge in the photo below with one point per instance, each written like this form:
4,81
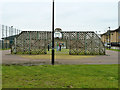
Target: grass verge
118,50
6,49
60,76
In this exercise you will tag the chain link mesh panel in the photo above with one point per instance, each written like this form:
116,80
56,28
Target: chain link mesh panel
72,43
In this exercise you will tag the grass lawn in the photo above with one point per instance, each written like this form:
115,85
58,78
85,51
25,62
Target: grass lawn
0,77
60,76
118,50
5,49
59,57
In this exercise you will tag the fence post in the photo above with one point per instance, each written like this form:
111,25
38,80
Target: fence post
45,34
37,35
15,32
38,43
15,45
69,43
23,40
99,48
2,36
77,43
104,50
9,36
92,46
29,43
6,37
66,43
11,30
85,42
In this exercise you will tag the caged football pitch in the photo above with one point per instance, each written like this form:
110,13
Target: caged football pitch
69,43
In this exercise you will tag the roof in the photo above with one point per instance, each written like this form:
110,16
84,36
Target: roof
116,30
10,37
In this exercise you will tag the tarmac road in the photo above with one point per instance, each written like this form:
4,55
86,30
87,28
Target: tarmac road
111,57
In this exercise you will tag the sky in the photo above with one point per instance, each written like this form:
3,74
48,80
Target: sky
70,15
119,13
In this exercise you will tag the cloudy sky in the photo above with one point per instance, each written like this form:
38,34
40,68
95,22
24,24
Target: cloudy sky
80,15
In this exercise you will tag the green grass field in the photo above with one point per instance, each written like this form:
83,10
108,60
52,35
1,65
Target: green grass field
118,50
5,49
0,77
60,76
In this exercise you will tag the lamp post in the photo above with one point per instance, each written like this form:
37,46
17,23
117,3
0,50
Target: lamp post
11,30
53,34
104,36
109,37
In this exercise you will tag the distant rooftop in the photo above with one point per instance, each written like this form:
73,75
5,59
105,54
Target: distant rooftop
116,30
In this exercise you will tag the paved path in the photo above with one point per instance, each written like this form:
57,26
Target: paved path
110,58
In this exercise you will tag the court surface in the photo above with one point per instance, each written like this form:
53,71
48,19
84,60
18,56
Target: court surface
111,57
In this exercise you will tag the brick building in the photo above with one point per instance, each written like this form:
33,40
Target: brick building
112,37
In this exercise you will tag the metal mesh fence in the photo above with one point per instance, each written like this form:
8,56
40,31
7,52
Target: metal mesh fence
71,43
7,36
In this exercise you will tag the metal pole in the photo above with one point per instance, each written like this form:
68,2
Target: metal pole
29,44
15,31
104,37
85,43
11,30
53,35
15,45
11,35
6,37
2,36
109,37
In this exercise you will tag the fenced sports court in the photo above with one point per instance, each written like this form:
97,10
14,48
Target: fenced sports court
66,42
